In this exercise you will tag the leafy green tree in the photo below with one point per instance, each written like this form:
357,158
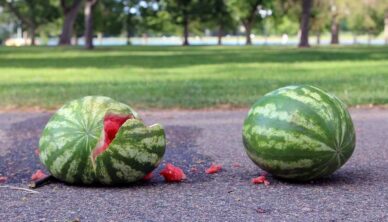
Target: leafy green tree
319,15
109,17
154,20
286,25
184,12
362,19
221,18
246,12
301,11
378,10
118,16
31,13
338,10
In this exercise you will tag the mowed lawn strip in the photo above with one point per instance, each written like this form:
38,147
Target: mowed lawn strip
187,77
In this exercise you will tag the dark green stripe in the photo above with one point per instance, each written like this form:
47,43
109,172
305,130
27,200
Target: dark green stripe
53,155
318,169
104,161
288,153
84,155
289,128
336,108
60,118
65,167
132,162
289,105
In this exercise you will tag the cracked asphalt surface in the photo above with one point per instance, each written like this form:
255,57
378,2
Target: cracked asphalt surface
357,192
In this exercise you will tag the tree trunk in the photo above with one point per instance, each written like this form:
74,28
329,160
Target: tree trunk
89,5
386,28
70,14
354,39
32,34
304,23
128,37
76,39
318,38
128,30
186,31
334,31
220,34
248,31
369,38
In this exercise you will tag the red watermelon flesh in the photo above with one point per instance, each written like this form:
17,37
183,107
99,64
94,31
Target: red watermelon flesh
112,124
172,173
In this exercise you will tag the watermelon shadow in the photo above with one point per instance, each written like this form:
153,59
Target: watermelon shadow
22,162
343,177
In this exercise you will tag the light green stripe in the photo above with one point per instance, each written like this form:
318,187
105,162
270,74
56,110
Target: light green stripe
299,140
320,108
282,165
298,119
140,155
73,169
125,172
103,175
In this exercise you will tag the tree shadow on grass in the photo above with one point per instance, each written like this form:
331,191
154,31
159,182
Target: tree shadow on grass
193,93
174,57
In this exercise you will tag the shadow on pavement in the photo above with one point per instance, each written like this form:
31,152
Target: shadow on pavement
22,162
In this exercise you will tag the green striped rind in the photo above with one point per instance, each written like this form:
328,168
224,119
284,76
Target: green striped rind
299,133
134,152
73,132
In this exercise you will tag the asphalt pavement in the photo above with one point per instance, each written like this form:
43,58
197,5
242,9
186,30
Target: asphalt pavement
356,192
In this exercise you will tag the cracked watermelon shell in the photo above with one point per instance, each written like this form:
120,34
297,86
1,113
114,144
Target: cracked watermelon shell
96,139
299,133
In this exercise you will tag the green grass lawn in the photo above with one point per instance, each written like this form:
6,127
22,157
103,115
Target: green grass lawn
187,77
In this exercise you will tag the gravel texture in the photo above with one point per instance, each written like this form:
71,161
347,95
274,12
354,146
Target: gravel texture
358,191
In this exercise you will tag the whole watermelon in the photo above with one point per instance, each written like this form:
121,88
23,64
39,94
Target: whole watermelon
299,133
96,139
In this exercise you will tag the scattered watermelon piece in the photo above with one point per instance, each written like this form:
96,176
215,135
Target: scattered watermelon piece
148,176
236,165
260,179
194,169
261,210
38,175
172,173
3,179
213,169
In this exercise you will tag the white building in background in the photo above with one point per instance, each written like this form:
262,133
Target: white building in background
11,34
6,28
